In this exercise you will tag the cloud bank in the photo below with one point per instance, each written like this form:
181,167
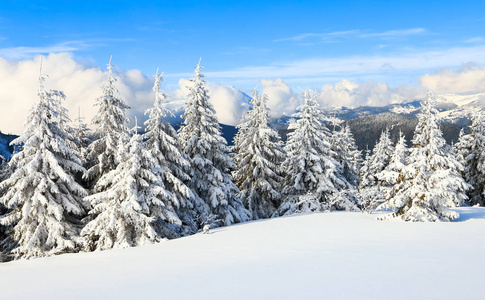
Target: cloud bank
411,61
469,79
82,85
369,93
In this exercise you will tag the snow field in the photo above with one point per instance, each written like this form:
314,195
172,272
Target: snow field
339,255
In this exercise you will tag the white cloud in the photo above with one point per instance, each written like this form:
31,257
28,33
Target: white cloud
469,79
281,99
477,39
229,102
395,33
390,65
370,93
82,85
326,35
16,53
355,33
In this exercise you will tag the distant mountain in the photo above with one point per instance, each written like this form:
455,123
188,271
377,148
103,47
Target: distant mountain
345,113
5,149
367,130
453,108
460,107
228,132
366,122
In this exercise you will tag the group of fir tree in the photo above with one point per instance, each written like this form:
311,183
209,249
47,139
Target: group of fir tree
470,150
422,183
70,189
316,171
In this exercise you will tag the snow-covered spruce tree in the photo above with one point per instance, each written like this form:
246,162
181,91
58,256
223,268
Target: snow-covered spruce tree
431,181
3,170
370,186
42,195
471,153
313,182
3,210
71,140
202,141
82,135
258,156
347,155
163,142
462,148
131,200
391,177
110,131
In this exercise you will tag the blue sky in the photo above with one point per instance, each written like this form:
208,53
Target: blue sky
303,42
352,53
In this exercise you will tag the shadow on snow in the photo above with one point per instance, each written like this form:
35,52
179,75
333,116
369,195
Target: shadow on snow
468,213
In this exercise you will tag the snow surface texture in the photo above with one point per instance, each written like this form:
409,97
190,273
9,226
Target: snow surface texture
340,255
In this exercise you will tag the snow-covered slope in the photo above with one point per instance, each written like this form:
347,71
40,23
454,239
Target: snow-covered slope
459,107
454,108
318,256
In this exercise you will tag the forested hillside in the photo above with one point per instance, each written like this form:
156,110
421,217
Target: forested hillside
367,130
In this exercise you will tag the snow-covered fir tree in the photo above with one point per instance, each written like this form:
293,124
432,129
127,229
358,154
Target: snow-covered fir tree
6,170
58,97
43,198
202,141
132,198
391,177
82,135
431,181
347,155
258,156
370,186
163,142
3,210
3,169
314,181
470,150
110,131
462,148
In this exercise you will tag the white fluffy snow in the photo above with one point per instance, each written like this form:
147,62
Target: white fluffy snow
319,256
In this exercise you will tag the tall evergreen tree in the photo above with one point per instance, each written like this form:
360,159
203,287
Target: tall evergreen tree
258,156
132,198
471,153
42,196
110,131
202,141
314,182
391,176
348,157
82,135
462,149
3,170
163,142
431,180
370,186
